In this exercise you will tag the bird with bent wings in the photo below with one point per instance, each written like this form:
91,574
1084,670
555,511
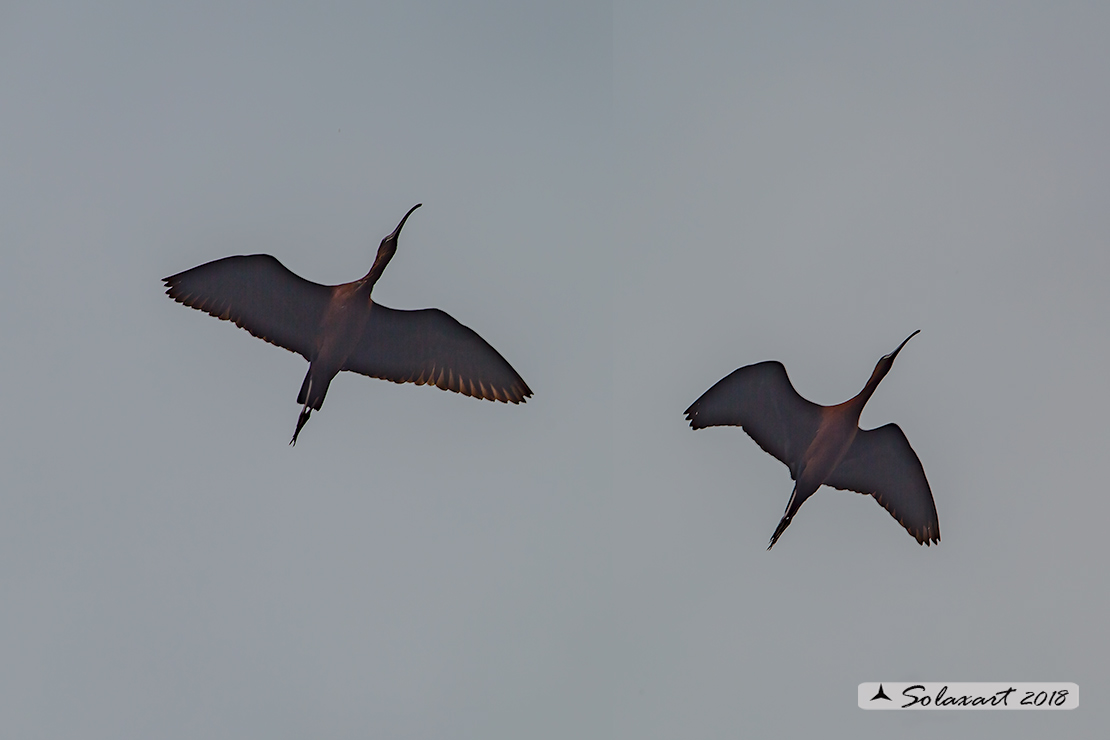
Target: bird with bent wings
339,327
823,445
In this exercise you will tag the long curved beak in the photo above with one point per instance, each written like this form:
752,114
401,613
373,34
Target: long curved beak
397,231
894,354
386,250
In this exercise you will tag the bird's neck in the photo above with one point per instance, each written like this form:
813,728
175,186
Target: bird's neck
861,399
385,254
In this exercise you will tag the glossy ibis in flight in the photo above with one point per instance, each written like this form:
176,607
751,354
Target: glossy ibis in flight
339,327
823,445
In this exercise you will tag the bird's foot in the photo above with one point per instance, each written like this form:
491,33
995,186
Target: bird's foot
305,413
783,524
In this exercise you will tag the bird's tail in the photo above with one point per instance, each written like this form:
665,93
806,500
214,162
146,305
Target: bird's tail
313,390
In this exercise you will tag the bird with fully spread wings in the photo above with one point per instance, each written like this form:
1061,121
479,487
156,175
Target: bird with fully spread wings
823,445
339,327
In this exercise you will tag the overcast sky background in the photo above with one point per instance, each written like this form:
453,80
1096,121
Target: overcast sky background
628,202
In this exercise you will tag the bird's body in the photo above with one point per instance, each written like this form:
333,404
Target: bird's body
834,437
823,445
340,327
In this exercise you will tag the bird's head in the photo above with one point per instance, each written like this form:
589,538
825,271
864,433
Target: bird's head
882,367
387,249
393,237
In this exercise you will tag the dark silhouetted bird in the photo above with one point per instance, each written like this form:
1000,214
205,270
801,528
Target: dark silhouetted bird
339,327
824,444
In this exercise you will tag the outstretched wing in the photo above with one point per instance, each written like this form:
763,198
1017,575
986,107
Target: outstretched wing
259,294
881,463
428,346
761,399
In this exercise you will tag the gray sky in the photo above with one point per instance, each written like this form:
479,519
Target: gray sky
628,202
